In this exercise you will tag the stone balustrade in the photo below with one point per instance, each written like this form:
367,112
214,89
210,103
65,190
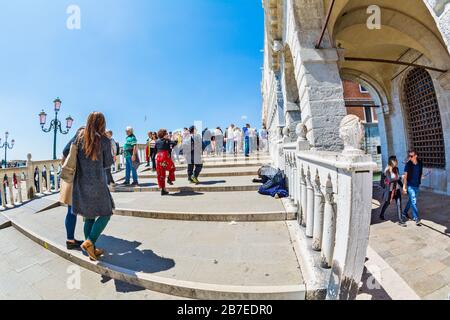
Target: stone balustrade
23,184
332,192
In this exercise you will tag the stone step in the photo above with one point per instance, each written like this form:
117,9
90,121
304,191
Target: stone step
236,159
30,272
182,185
219,165
4,222
212,206
199,260
212,172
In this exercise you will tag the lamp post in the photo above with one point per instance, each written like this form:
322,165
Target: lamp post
6,145
55,124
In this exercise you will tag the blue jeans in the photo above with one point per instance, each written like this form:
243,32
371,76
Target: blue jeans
71,222
130,169
247,146
413,193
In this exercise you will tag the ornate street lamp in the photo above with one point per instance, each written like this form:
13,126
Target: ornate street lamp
7,146
55,124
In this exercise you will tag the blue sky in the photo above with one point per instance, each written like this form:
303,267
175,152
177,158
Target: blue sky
144,63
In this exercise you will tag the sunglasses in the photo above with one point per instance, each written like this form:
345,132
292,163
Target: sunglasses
412,155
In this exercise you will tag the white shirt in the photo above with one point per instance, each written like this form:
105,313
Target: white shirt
230,133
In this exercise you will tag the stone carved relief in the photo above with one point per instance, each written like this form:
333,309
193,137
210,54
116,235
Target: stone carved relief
352,133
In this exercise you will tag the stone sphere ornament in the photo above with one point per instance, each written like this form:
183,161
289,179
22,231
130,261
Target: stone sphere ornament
351,131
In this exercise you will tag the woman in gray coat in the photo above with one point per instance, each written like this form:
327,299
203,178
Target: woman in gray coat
192,151
91,198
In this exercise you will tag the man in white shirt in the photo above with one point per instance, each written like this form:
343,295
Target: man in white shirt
230,139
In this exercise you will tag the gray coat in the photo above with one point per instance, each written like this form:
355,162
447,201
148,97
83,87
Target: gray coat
91,197
198,149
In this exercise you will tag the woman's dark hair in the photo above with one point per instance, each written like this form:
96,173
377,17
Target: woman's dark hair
92,135
162,133
192,130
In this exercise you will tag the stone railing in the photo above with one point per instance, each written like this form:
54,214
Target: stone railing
19,185
332,192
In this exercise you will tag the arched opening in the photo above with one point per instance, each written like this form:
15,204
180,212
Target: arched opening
360,102
424,118
413,98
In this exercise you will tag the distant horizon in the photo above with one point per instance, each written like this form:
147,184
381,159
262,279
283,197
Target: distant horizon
145,64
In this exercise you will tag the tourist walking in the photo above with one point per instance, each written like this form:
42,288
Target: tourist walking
147,149
192,151
412,180
176,143
246,135
153,152
391,181
130,155
109,176
164,161
65,197
230,139
207,135
263,139
218,137
91,198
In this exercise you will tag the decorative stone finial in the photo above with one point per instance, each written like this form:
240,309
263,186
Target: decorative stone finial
286,132
29,157
352,132
301,132
286,137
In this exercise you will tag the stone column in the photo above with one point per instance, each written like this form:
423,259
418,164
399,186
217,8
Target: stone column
317,74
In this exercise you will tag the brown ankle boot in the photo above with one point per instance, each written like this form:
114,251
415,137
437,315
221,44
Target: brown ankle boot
88,247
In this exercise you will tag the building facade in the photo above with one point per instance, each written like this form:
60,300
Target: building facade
399,53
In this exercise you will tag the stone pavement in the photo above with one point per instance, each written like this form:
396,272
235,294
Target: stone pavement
227,245
29,272
420,255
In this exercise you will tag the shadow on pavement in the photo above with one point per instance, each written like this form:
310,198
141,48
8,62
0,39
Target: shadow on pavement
125,254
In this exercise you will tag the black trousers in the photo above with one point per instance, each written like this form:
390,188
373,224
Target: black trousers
196,172
153,157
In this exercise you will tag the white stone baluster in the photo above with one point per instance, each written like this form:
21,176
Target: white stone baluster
309,205
19,188
318,214
303,196
11,191
329,227
295,182
2,194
